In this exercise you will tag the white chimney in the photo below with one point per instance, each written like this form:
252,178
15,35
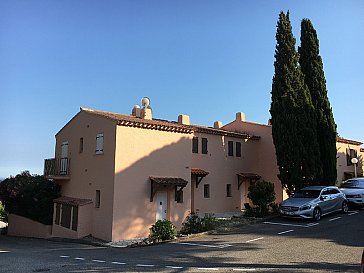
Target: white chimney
184,119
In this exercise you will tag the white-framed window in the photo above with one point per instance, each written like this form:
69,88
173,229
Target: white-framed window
99,143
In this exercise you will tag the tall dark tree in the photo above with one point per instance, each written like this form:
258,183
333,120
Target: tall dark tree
292,115
312,68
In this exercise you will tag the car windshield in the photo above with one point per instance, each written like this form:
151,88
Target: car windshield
307,194
352,184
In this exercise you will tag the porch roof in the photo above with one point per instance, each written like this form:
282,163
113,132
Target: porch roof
199,172
249,175
172,181
65,200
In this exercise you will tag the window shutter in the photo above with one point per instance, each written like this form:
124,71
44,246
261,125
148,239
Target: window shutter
99,143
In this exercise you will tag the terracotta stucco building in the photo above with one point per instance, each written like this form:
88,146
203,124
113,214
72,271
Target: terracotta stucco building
121,173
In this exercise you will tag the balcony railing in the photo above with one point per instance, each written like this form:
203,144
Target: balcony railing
57,168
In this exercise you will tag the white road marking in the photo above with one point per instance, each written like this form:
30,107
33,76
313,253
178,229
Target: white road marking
354,212
312,224
212,246
336,218
174,267
98,261
64,256
77,248
284,232
146,265
81,259
253,240
208,268
289,225
244,269
118,263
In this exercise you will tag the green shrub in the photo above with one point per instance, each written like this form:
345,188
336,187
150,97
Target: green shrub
194,224
30,196
262,194
162,231
3,215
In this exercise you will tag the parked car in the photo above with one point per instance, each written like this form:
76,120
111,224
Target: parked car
362,263
314,202
354,191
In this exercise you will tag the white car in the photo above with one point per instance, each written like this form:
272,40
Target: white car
354,191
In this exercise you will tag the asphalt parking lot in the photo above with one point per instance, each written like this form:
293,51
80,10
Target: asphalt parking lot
276,245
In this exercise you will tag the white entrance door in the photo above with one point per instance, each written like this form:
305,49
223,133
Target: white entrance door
63,168
161,203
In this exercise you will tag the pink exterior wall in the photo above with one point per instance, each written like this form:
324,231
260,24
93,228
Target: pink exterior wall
223,170
141,153
21,226
90,171
342,166
265,163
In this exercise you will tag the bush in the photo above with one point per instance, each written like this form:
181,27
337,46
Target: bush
262,194
162,231
195,224
30,196
3,215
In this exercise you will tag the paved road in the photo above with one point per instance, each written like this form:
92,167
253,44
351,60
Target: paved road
278,245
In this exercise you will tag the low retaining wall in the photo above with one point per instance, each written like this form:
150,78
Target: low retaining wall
21,226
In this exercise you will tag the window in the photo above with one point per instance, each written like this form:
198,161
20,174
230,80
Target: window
204,145
97,199
179,195
75,218
206,190
228,190
195,145
350,153
81,145
238,149
99,144
66,216
230,148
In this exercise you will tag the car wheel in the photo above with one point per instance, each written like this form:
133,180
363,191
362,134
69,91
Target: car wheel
345,207
316,214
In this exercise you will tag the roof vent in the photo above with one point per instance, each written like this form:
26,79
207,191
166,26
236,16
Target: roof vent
136,111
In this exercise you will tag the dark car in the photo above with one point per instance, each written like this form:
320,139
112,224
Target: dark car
354,191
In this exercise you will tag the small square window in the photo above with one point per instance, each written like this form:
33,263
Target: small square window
206,190
178,195
230,148
228,190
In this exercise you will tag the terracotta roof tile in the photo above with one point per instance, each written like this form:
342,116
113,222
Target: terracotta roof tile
175,181
249,175
199,172
72,201
348,141
164,125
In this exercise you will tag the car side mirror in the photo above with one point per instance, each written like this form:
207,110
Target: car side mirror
322,198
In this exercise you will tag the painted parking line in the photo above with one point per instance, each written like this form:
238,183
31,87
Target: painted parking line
244,269
145,265
63,256
80,259
208,268
256,239
334,219
174,267
353,213
98,261
203,245
284,232
291,225
120,263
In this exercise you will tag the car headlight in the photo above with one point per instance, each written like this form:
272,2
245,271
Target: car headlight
305,207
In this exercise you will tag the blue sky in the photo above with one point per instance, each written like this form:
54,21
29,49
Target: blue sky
208,59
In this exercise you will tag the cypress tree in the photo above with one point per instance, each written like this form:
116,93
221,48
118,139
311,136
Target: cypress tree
312,68
292,115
